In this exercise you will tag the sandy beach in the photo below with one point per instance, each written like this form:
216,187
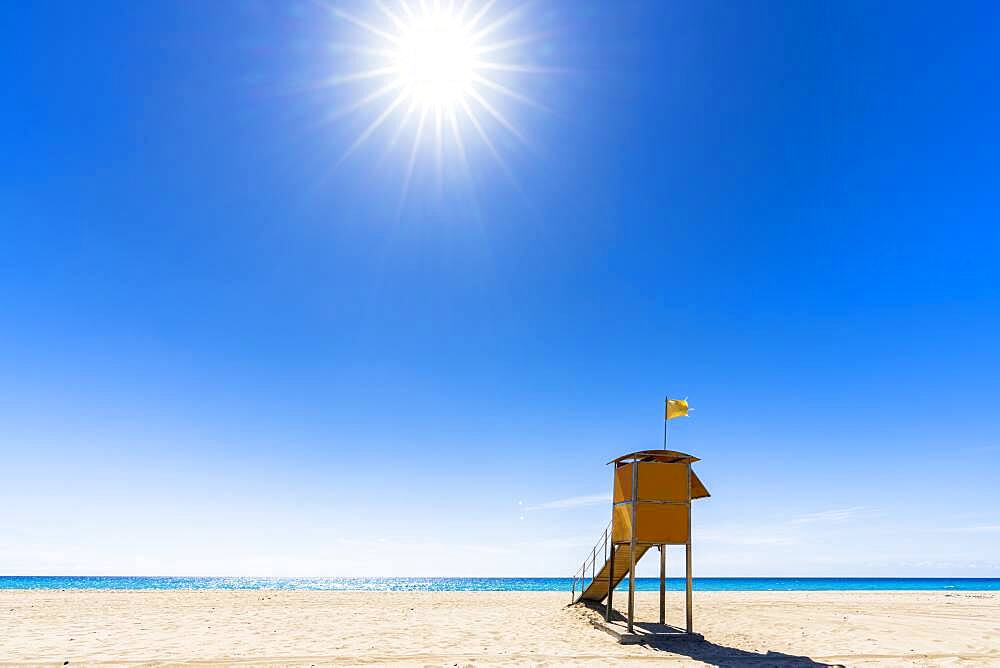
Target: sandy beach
478,628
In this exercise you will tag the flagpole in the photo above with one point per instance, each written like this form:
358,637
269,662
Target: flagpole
666,420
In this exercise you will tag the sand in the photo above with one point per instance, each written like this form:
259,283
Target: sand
488,628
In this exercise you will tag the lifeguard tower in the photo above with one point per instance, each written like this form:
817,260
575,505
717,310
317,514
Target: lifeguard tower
651,507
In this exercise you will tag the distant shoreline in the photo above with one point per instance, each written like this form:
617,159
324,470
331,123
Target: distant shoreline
487,584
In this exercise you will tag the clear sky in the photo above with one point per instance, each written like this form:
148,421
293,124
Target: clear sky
232,344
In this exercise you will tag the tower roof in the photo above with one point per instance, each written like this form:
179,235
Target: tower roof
668,456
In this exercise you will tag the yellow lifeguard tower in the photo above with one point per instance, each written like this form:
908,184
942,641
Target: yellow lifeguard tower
651,506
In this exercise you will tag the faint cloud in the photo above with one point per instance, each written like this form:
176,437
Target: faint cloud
983,449
983,528
795,530
831,516
946,564
573,502
417,546
739,536
571,543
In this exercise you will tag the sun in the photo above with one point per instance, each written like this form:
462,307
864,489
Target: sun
435,59
438,75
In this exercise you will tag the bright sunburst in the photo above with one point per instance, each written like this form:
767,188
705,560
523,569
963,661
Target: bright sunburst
435,59
436,73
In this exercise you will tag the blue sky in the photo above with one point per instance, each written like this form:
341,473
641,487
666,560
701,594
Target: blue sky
226,348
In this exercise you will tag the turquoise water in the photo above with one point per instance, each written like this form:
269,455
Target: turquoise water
493,584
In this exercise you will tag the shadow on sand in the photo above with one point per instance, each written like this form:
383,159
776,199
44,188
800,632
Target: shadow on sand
709,652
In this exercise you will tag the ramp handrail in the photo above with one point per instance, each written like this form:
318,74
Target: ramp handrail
581,575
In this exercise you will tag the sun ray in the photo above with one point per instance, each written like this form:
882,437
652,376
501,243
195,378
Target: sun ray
365,25
514,95
438,146
402,125
498,116
365,101
373,126
357,76
413,156
493,47
398,22
506,18
339,47
515,67
479,15
482,134
453,122
406,8
397,133
461,10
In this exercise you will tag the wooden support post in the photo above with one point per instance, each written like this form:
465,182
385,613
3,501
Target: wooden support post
663,584
687,555
690,623
611,583
631,552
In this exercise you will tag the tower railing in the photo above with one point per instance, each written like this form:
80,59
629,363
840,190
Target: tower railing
601,547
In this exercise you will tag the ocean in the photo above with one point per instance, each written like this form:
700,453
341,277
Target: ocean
491,584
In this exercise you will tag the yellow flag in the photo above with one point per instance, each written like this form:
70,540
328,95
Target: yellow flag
676,408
